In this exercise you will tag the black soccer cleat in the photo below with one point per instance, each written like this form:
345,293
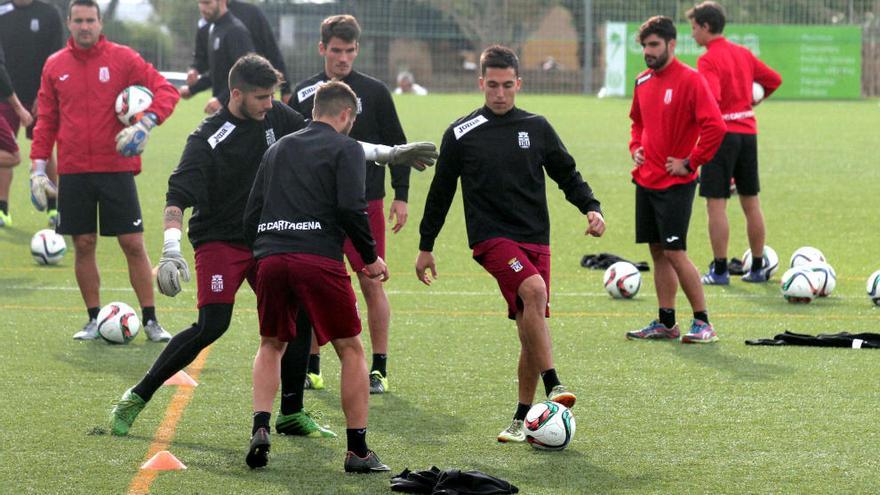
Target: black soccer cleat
258,452
368,464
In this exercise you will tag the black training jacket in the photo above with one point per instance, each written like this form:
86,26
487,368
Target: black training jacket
501,161
227,42
256,23
29,35
376,122
218,167
308,195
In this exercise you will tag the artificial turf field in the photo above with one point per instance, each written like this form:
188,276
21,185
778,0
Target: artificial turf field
651,417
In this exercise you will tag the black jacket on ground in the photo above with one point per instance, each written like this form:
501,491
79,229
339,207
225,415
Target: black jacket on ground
501,161
218,167
376,123
256,23
29,35
308,195
228,40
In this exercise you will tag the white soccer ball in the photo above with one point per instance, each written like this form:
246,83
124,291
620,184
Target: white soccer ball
131,104
799,285
118,323
804,255
826,277
874,287
757,93
47,247
622,280
549,426
771,261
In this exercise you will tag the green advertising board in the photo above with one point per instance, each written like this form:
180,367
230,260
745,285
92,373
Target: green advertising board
816,62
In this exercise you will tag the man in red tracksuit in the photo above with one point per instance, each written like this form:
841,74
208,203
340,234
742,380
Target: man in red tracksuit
76,106
676,127
730,70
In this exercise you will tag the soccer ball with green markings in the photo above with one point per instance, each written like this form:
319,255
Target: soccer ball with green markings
549,426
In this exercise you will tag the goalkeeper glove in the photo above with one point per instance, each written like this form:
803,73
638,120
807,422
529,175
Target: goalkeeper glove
418,155
41,187
172,266
132,140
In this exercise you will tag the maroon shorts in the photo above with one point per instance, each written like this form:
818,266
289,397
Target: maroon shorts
8,117
320,286
221,267
376,214
512,262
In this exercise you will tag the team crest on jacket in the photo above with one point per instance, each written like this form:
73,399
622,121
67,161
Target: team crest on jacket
104,74
523,138
667,98
216,43
35,25
270,136
515,265
360,107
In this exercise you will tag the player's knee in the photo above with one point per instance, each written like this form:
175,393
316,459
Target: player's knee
533,291
348,348
85,243
214,320
132,245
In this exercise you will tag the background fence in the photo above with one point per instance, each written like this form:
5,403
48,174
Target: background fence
560,42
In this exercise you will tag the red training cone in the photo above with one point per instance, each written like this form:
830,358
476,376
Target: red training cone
163,461
181,378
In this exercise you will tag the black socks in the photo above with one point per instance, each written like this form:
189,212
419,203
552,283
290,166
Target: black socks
93,312
719,266
521,411
550,380
380,362
261,420
357,441
149,313
667,317
314,364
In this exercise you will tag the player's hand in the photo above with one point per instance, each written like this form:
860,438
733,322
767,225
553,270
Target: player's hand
41,188
212,106
419,155
184,91
423,263
172,266
399,210
192,76
132,140
638,156
596,224
24,116
377,269
676,166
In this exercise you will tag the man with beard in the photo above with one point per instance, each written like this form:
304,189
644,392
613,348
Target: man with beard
676,127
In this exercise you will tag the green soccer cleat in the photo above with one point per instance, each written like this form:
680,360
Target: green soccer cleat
562,396
124,412
301,424
314,381
52,217
514,433
378,383
5,219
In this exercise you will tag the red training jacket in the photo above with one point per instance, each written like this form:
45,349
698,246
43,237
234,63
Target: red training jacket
76,105
730,70
673,115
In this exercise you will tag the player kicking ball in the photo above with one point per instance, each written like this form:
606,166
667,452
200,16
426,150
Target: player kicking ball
308,197
501,153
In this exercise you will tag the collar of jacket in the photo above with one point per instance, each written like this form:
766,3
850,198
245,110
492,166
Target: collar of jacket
87,53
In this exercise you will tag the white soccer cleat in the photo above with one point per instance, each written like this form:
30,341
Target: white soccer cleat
88,332
155,332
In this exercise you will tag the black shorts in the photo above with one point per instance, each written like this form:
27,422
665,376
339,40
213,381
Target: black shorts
112,196
663,217
737,158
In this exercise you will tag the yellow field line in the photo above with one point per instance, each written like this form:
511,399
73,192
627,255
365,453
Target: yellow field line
140,485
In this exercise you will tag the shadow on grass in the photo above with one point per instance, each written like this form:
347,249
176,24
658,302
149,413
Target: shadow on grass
127,361
17,237
741,368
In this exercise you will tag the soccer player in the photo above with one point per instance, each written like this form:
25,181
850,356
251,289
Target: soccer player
30,31
307,198
214,178
676,127
501,154
265,44
10,110
228,40
76,109
730,70
377,122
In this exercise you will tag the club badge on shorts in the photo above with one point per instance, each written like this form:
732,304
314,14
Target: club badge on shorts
104,74
216,283
515,265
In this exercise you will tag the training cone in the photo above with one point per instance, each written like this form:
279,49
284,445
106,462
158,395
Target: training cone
163,461
181,378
